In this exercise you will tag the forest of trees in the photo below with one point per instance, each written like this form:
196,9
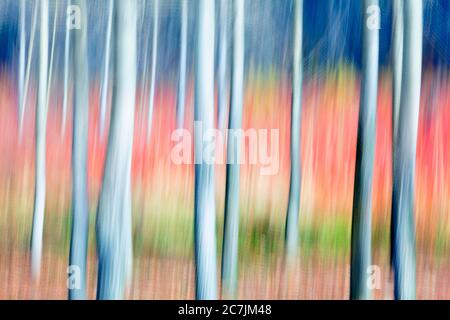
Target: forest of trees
113,231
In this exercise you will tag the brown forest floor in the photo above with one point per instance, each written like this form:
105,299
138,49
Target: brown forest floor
173,278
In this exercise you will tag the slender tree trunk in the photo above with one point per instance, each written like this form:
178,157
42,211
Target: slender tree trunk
22,49
153,70
397,57
231,224
204,202
28,69
114,210
105,81
144,76
80,207
52,53
295,183
183,53
404,249
41,126
139,185
365,151
222,76
128,225
66,75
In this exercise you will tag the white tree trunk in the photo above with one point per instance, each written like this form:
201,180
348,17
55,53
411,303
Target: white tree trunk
143,101
204,203
183,52
80,207
231,224
114,210
41,126
28,69
52,53
66,76
361,243
397,60
295,181
153,69
404,248
22,49
222,82
105,81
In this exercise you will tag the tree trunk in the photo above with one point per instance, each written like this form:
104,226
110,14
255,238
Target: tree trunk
204,202
222,76
28,69
365,152
66,75
295,182
52,53
22,49
397,57
114,210
80,207
404,249
105,81
41,126
183,52
153,70
231,224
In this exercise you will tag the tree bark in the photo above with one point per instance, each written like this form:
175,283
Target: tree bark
204,202
222,76
41,126
397,57
183,53
153,69
28,69
80,207
22,49
231,224
365,152
105,81
404,248
66,75
114,210
52,53
295,181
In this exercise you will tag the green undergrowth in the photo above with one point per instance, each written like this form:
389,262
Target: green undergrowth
171,235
